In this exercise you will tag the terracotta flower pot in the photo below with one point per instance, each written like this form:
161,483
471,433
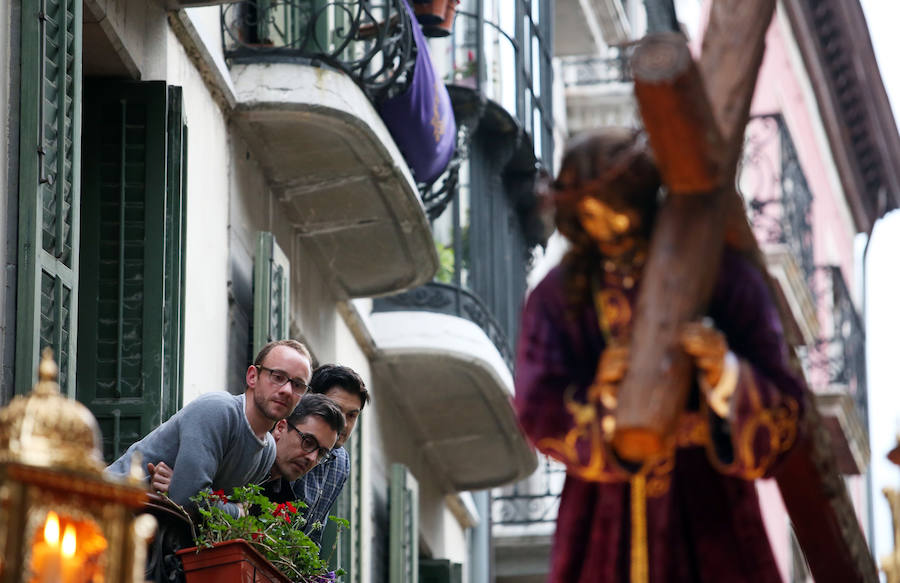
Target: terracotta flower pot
226,562
430,13
445,26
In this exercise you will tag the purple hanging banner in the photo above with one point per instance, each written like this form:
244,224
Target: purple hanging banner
421,119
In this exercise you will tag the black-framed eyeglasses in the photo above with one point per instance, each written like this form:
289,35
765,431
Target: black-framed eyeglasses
309,444
280,378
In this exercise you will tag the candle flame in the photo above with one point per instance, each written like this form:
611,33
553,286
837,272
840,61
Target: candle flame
68,541
51,529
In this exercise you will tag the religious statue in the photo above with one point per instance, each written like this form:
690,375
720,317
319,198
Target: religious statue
690,513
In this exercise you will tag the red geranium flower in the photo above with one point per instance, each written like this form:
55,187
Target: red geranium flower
291,508
221,494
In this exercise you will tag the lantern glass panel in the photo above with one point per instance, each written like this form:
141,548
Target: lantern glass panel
67,549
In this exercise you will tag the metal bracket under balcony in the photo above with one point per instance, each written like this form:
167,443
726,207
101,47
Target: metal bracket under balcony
849,437
455,387
793,296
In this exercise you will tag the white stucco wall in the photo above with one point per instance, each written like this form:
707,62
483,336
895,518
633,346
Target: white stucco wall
206,252
228,202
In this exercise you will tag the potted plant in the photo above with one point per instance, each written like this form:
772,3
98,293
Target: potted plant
444,25
466,72
430,13
266,544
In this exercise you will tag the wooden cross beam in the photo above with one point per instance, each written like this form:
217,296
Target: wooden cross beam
695,118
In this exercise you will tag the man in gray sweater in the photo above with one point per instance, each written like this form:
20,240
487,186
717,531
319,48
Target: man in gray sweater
220,441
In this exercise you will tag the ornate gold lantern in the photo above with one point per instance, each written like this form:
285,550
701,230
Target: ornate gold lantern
61,519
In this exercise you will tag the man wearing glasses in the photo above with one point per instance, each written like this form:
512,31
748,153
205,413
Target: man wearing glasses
320,487
221,441
303,441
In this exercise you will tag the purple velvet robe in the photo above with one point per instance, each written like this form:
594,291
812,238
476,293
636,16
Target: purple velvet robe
703,522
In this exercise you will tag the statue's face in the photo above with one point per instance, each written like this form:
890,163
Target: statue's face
615,228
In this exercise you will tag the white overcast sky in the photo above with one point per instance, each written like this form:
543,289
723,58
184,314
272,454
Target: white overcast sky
883,295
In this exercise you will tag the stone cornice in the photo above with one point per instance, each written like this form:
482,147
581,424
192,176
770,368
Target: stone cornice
838,54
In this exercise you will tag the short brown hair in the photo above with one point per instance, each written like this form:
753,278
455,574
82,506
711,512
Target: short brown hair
328,376
320,406
290,343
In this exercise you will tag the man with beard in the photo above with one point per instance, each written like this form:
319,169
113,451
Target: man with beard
303,441
220,441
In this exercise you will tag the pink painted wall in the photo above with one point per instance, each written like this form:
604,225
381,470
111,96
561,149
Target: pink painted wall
783,88
780,89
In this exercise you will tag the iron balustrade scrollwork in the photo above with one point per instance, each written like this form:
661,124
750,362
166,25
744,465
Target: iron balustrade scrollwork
534,500
838,357
438,195
370,41
448,299
775,190
586,71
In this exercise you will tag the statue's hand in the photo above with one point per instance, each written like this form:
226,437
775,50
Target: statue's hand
708,347
610,371
613,363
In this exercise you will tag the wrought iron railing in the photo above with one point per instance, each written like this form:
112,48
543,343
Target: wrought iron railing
369,40
839,356
448,299
593,70
534,500
777,195
438,195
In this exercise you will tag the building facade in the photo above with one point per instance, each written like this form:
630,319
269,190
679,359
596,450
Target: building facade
184,181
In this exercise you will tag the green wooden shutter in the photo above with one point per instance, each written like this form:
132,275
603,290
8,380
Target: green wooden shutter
175,229
49,166
404,544
350,507
130,314
439,571
271,292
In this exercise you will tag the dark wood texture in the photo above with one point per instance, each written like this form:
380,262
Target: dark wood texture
821,513
733,48
687,240
677,115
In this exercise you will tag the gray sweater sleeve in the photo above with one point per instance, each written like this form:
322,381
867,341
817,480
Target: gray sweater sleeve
209,445
203,434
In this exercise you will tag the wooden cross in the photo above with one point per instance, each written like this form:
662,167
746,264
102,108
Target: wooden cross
694,116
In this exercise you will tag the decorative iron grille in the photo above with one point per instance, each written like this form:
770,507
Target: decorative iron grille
369,40
440,193
448,299
839,355
534,500
593,70
775,190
